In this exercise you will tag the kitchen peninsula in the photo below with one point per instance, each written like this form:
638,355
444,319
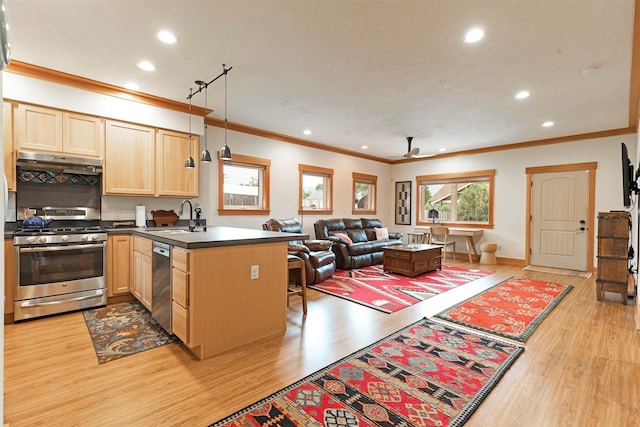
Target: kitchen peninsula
228,285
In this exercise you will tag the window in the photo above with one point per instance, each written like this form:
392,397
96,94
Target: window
243,186
364,193
460,199
316,189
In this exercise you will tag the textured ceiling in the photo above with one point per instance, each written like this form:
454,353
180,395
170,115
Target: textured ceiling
357,72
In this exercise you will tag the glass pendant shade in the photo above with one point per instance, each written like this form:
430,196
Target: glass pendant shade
189,163
225,152
205,156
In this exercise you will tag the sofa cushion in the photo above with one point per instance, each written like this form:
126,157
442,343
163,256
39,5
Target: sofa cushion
357,235
350,223
382,233
344,237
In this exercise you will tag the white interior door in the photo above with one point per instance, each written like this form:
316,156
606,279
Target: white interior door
559,219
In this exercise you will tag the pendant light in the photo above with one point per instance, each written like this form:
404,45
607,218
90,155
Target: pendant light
190,163
225,152
205,156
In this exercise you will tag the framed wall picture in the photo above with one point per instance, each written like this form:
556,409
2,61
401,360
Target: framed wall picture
403,203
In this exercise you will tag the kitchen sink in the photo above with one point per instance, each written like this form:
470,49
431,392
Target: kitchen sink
171,231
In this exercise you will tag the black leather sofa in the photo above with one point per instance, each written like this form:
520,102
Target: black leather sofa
363,249
319,260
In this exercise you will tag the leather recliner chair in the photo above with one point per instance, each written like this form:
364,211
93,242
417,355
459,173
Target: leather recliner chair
319,260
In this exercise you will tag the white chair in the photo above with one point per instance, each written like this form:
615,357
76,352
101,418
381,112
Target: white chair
439,236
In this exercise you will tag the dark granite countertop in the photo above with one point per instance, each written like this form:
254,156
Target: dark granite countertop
212,237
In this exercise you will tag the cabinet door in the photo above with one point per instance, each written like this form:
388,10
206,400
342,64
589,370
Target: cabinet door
39,129
129,159
118,262
9,152
82,135
9,275
172,178
146,292
141,288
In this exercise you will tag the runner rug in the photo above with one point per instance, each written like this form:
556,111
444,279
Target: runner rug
388,292
121,330
512,309
427,374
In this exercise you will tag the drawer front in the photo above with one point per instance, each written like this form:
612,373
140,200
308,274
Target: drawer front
615,248
612,270
180,322
397,254
180,259
142,245
426,264
180,287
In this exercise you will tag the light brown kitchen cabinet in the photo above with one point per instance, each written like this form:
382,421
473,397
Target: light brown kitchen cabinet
9,275
129,160
172,178
180,266
9,152
43,129
118,264
141,289
82,135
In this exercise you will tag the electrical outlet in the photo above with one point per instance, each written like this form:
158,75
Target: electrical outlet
255,272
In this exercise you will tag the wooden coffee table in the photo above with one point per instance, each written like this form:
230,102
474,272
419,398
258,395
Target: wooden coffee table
411,260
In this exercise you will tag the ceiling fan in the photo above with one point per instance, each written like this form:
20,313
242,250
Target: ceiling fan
413,153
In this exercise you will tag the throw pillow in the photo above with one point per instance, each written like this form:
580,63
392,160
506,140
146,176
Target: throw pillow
382,233
344,237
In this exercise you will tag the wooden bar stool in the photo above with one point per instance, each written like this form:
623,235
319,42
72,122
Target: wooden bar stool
295,263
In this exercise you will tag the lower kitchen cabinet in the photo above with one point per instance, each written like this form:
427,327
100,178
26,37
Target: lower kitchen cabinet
118,264
180,293
9,275
141,289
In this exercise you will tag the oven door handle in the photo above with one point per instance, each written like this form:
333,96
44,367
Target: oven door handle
61,248
25,304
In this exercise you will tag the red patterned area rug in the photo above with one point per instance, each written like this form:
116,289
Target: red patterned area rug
427,374
388,292
512,309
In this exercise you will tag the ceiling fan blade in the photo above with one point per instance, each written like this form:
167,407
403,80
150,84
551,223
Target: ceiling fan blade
412,153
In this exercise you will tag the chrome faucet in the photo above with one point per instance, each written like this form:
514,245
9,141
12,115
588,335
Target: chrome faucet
192,224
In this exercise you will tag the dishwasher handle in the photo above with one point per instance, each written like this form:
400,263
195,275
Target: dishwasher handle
162,249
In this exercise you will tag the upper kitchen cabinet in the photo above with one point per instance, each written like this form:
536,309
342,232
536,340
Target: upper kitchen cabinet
9,152
82,135
172,178
54,131
129,160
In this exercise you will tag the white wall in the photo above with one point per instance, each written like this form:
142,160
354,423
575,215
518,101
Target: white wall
510,181
285,158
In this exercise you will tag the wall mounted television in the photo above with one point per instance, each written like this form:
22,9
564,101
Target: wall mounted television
629,178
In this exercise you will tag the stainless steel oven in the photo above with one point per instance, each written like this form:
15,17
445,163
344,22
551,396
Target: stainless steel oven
59,270
61,249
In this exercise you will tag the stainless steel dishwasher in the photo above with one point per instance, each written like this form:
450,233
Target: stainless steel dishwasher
161,285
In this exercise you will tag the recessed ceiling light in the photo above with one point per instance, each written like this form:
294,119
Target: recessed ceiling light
548,124
364,147
443,149
132,86
166,37
522,94
146,65
474,35
307,132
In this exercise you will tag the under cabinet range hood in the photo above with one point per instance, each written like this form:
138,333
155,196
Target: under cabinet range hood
59,162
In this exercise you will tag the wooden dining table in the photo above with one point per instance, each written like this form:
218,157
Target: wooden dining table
468,233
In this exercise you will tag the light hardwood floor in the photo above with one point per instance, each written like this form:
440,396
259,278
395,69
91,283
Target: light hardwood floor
581,367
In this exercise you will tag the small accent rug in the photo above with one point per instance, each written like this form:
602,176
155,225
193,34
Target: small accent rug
560,271
388,292
427,374
121,330
512,309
